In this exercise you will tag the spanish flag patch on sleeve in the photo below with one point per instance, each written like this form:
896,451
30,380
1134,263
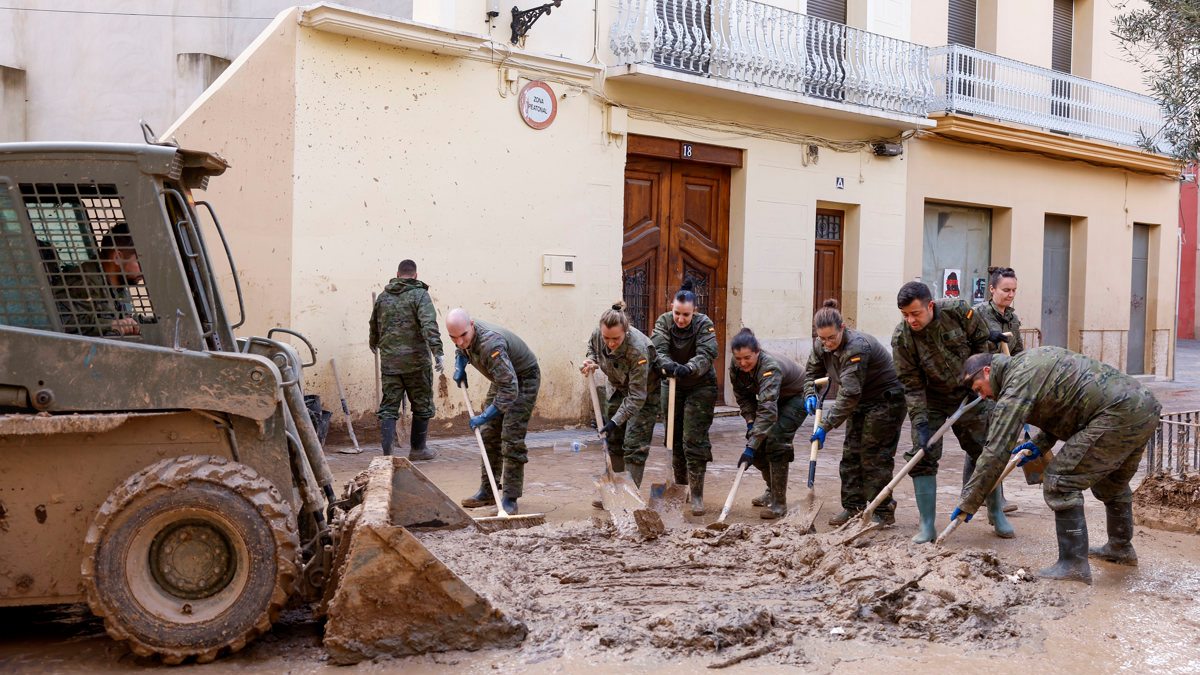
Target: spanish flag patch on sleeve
712,329
768,374
970,312
642,362
495,353
855,359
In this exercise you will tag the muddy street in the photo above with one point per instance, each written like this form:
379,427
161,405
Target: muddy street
757,595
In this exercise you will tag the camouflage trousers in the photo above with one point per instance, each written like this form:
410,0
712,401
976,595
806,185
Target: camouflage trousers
970,430
417,385
694,408
869,453
780,443
504,435
1102,456
630,442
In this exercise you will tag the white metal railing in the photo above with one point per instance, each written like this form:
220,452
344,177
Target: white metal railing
970,81
760,44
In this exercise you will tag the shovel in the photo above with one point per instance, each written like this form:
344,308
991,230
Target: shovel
1004,345
865,522
502,520
345,410
720,523
669,492
812,455
649,523
962,517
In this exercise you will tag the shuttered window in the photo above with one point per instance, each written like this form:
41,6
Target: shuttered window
830,10
961,28
1060,53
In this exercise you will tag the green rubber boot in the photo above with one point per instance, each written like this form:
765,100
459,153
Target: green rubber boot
1072,565
926,489
999,521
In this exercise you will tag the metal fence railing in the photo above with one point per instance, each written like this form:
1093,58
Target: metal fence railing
1174,448
757,43
971,81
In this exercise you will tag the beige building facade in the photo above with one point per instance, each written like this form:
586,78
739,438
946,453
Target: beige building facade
773,174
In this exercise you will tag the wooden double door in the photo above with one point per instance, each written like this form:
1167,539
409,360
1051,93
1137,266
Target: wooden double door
676,228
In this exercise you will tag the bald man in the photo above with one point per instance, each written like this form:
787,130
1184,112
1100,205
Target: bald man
506,361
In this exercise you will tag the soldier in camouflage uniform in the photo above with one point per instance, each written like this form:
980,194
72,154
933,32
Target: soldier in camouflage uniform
1105,419
769,392
1000,318
870,399
929,347
686,342
510,366
630,363
94,299
404,331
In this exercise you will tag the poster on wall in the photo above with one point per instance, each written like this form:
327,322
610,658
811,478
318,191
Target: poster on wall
950,283
980,291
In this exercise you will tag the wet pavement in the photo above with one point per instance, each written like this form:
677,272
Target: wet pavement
1139,619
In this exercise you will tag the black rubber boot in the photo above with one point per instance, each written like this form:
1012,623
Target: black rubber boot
679,467
417,450
842,518
696,486
509,504
1072,565
1119,548
482,498
778,506
765,498
387,436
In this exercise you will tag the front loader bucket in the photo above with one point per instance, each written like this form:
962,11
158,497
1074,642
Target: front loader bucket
390,595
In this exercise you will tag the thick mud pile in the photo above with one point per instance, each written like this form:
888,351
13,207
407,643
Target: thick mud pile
746,592
1169,503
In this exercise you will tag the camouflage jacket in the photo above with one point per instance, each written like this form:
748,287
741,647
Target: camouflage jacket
88,304
632,369
931,360
404,327
695,346
1004,322
501,357
759,392
862,369
1054,389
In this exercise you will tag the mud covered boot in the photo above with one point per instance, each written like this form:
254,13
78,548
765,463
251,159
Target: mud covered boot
387,436
1119,548
886,514
842,518
1072,565
765,498
418,452
696,488
482,498
778,506
925,488
996,516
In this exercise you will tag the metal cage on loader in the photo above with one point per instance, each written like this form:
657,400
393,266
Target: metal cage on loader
163,470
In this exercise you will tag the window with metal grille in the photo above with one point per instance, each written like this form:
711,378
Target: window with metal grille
1064,20
22,302
961,27
830,10
89,258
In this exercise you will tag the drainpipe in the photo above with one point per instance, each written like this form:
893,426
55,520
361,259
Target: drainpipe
1178,271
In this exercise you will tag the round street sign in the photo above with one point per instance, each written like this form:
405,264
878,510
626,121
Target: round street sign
537,104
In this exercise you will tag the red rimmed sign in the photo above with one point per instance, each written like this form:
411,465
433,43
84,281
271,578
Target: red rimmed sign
537,104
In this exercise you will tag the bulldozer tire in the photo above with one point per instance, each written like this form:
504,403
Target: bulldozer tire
190,557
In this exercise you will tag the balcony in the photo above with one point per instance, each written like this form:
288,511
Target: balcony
978,83
791,56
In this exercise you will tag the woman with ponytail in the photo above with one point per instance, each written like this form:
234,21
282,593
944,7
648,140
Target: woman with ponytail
686,341
770,394
870,400
629,361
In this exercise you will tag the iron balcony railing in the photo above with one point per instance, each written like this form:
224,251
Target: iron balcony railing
970,81
757,43
1175,447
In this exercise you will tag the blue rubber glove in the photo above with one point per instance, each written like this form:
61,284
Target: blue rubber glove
749,428
460,369
958,512
483,417
1034,452
747,457
810,405
818,436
